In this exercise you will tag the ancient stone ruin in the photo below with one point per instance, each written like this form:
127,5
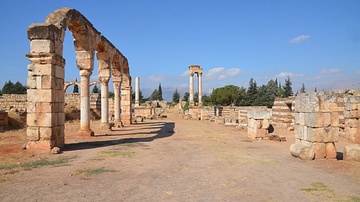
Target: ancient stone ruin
319,120
195,69
45,95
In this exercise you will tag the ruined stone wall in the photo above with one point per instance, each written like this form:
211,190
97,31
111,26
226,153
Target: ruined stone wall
319,120
243,114
350,119
283,112
16,102
258,123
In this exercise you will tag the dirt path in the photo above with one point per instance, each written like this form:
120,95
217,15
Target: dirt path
174,159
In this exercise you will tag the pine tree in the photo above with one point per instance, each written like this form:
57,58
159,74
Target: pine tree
252,93
76,89
19,88
186,96
159,91
8,88
176,96
302,89
95,89
287,88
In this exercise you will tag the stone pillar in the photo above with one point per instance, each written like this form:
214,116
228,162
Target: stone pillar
126,113
85,103
200,89
104,82
137,91
191,89
45,93
117,84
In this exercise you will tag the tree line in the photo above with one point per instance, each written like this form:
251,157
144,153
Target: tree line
13,88
254,95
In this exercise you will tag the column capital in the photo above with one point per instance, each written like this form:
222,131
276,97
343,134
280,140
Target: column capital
104,80
85,73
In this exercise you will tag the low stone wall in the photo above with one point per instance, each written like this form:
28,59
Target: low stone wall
283,112
16,102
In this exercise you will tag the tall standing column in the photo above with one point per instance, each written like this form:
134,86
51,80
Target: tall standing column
137,91
85,103
191,89
104,82
200,89
117,84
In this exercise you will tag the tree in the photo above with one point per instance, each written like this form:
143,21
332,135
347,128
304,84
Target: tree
206,100
227,95
176,96
8,88
159,91
154,95
287,88
76,89
11,88
111,95
186,96
19,88
302,89
251,93
95,89
141,97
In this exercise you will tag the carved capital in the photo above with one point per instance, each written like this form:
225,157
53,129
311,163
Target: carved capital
85,73
117,84
104,80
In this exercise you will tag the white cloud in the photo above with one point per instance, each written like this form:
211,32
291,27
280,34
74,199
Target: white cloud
215,71
186,73
221,73
155,78
330,71
286,74
300,38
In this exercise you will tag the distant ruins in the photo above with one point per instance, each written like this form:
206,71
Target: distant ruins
45,95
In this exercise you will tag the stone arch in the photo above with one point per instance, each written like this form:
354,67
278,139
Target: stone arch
45,111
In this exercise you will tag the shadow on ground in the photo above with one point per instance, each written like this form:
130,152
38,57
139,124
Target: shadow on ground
161,130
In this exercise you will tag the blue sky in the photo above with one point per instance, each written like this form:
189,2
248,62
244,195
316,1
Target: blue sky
314,42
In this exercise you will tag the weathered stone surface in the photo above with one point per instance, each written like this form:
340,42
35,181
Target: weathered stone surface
331,152
303,151
320,150
259,114
352,152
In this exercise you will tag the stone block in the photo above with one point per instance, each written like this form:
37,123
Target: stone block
317,119
352,152
299,131
320,150
46,133
331,150
303,151
259,114
45,46
326,134
59,72
352,123
33,133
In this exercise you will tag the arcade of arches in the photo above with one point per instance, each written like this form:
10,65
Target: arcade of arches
45,95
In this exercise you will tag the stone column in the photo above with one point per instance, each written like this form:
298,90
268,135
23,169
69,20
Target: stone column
85,103
137,91
117,84
104,82
200,89
45,89
191,89
126,113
